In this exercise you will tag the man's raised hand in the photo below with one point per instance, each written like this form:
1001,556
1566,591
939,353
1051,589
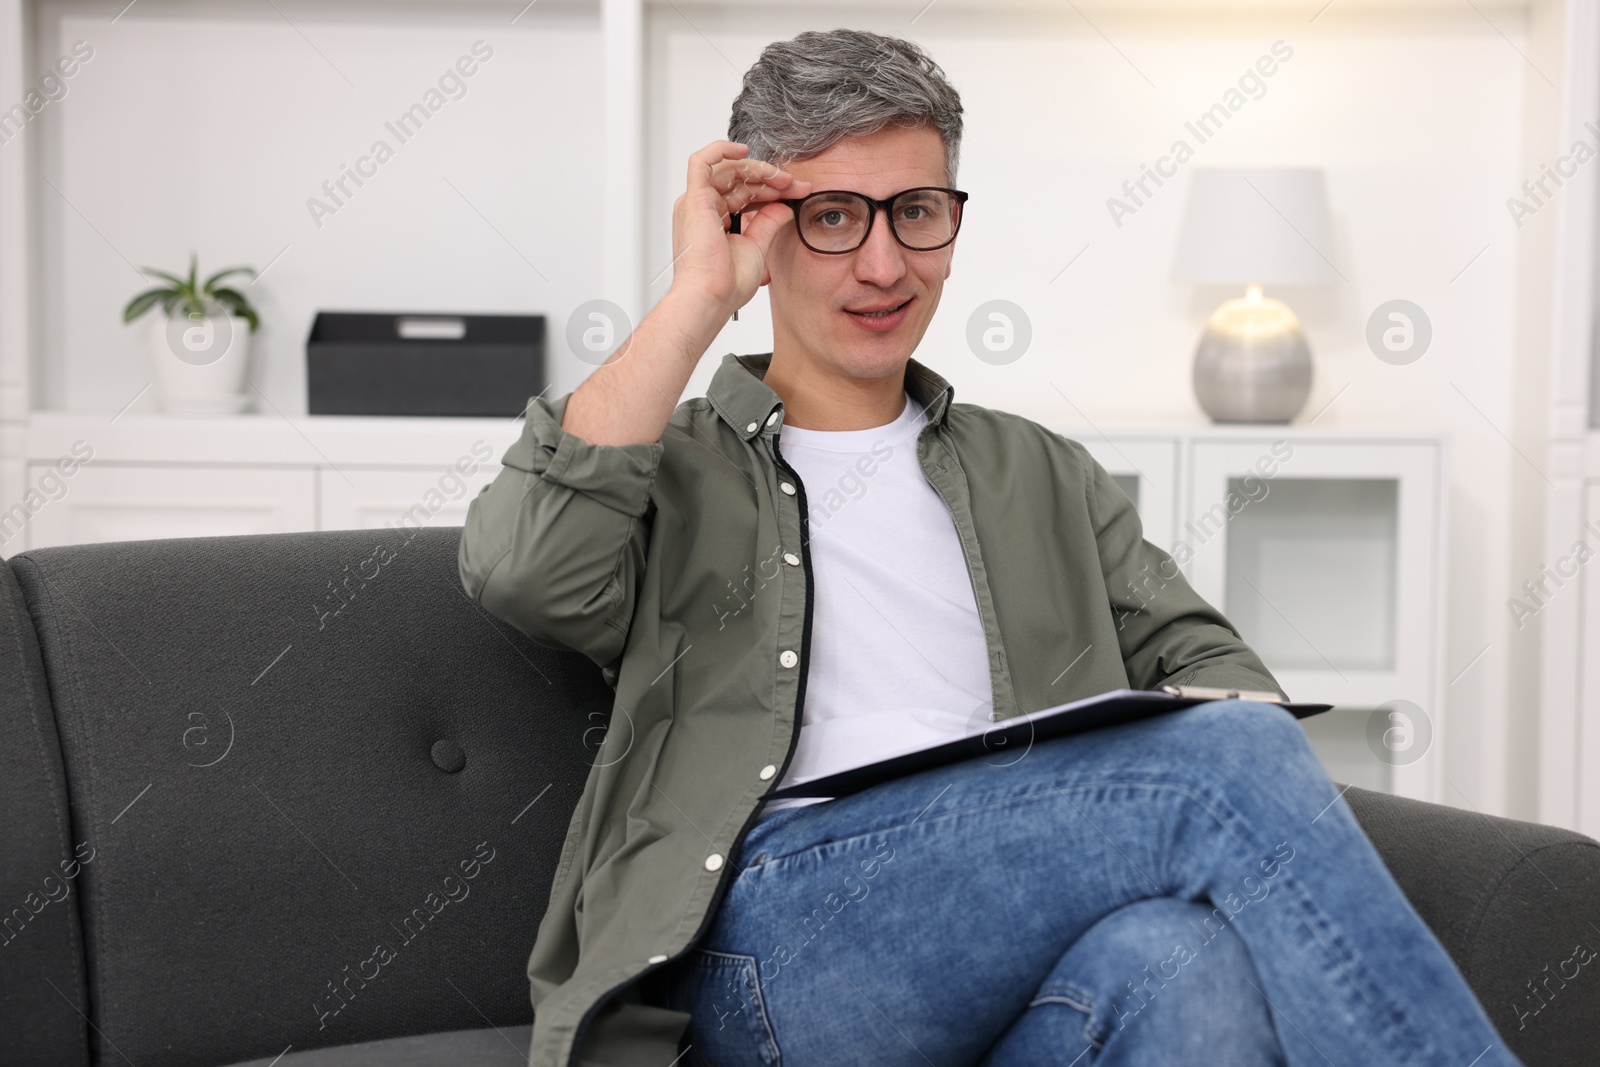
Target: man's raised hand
709,261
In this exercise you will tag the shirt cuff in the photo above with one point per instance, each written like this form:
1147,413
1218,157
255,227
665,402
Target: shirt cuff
618,476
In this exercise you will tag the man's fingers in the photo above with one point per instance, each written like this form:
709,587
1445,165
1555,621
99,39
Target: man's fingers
752,172
701,162
716,152
763,224
746,200
743,194
722,182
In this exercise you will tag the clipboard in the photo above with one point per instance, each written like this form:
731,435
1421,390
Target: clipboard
1009,740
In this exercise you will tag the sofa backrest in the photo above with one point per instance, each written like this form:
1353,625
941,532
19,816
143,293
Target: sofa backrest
42,979
307,792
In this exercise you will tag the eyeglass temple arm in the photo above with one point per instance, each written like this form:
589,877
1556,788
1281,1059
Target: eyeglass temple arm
735,230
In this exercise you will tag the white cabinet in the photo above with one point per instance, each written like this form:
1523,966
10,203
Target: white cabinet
353,498
1330,571
1324,550
120,502
139,477
1309,567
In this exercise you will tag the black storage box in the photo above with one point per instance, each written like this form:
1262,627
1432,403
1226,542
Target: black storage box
377,363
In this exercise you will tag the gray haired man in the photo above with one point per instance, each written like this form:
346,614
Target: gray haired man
1182,889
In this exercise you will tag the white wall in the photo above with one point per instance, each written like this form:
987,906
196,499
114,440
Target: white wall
1424,124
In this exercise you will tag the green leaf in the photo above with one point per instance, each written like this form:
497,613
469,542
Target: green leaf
188,297
185,305
176,281
212,281
142,303
239,305
231,296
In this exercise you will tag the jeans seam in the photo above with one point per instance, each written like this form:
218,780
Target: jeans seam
1037,795
748,971
1064,993
1069,995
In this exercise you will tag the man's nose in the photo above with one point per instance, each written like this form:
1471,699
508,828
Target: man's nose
881,260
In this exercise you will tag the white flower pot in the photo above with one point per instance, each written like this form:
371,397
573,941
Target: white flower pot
200,363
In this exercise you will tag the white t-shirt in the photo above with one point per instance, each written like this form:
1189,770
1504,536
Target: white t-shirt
898,655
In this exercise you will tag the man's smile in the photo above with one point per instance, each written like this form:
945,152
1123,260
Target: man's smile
881,316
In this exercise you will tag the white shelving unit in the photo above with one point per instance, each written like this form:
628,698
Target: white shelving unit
1331,567
280,470
259,474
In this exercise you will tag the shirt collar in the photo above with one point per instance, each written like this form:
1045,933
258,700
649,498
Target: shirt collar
750,407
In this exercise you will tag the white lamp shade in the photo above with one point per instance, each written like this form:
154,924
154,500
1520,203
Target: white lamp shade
1256,226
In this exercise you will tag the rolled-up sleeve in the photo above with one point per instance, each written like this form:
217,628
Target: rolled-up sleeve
1169,634
556,544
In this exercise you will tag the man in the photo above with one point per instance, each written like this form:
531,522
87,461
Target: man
826,559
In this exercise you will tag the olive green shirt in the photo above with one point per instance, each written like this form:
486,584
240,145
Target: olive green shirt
681,568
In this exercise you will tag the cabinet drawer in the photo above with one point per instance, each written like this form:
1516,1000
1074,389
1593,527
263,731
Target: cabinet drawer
126,502
355,498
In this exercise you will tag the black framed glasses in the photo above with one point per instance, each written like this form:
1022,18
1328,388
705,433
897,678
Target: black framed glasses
835,222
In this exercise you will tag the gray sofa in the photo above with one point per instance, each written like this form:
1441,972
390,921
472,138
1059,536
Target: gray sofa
296,796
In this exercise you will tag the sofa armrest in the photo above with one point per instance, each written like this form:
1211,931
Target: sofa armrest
1517,906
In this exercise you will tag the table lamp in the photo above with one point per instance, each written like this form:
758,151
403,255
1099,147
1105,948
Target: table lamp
1254,226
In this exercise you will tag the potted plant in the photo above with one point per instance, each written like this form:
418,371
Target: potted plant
200,344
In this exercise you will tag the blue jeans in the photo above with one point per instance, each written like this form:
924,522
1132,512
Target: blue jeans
1178,890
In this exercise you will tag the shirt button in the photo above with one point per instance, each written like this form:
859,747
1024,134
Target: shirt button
768,771
752,427
786,487
714,862
657,959
772,418
791,559
788,658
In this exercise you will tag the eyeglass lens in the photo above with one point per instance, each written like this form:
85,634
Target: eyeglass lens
837,222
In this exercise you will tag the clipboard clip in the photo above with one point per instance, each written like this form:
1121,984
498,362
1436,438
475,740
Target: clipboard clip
1210,693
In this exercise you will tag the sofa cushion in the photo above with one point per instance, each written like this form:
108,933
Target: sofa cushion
41,943
1515,905
327,792
507,1047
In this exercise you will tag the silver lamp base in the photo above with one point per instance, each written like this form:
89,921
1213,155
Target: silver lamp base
1253,363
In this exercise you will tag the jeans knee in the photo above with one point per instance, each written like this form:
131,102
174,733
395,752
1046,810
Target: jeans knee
1160,948
1268,733
1245,715
1131,942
